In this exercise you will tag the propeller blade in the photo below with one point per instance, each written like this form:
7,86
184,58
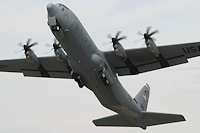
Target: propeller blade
117,35
48,45
109,36
20,44
106,43
28,41
33,44
55,41
140,33
148,29
136,41
16,52
121,38
156,31
49,51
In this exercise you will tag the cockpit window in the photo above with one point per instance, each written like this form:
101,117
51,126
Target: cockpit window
61,5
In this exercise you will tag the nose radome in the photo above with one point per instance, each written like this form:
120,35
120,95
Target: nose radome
52,9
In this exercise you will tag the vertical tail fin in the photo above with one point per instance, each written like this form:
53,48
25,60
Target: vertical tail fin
142,97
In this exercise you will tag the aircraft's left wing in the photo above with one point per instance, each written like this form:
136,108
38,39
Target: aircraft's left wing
50,67
141,60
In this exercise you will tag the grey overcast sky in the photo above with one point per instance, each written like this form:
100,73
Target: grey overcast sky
37,105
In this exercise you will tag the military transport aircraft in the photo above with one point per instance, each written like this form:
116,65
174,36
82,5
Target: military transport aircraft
99,71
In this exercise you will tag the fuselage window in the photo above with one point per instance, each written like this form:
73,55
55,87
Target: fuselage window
61,5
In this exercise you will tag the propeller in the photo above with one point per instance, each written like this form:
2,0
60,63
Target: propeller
56,45
28,46
147,35
116,39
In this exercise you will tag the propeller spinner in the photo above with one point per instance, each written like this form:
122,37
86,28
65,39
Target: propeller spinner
28,46
148,35
116,39
56,45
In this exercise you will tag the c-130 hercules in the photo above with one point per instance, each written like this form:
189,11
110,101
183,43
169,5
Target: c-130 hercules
99,71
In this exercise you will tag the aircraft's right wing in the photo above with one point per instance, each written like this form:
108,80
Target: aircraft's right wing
141,60
51,67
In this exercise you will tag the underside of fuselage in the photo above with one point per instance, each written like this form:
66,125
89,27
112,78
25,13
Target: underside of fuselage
80,48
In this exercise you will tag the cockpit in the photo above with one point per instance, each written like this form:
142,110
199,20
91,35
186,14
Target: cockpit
62,6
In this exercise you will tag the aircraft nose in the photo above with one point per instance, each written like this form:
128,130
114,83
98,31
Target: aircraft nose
52,9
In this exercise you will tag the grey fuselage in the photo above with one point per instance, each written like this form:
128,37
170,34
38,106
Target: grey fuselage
80,48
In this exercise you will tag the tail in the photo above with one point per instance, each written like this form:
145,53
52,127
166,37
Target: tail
147,119
142,97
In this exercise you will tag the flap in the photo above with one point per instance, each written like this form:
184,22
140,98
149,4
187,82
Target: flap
52,74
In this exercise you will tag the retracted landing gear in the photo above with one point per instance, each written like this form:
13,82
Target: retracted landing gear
103,77
78,79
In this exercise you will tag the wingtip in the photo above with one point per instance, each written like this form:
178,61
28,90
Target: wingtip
183,118
147,85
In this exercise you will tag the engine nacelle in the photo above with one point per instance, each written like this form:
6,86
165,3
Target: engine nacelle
151,46
119,50
32,58
61,56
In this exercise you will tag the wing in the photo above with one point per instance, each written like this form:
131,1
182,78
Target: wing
141,60
50,67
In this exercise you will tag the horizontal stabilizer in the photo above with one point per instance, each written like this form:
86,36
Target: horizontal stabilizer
148,119
115,120
151,118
